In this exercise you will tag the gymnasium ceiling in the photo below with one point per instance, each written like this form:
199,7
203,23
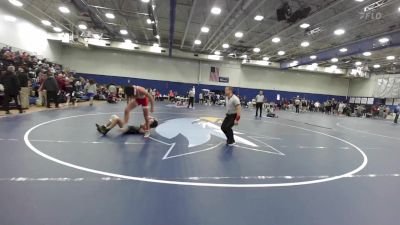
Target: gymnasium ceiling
236,16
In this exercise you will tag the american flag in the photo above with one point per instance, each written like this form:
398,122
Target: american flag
214,74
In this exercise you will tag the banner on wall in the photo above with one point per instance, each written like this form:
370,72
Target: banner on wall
214,74
224,79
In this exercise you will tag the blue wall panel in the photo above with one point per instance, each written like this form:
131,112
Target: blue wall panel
182,88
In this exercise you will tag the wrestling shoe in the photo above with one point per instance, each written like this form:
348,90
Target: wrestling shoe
147,134
102,129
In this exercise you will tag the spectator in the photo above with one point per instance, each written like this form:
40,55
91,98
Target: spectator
297,103
91,90
11,89
397,111
23,81
52,90
191,97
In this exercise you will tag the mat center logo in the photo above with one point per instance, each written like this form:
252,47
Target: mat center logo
198,132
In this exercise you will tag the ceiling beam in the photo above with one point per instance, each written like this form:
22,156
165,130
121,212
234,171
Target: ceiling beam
188,22
172,15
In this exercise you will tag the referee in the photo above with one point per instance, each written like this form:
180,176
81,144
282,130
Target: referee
232,115
259,103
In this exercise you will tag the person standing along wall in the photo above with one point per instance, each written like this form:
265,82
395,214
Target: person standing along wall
24,93
259,103
52,89
191,98
11,89
397,111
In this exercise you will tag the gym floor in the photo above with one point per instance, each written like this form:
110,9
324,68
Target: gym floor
293,170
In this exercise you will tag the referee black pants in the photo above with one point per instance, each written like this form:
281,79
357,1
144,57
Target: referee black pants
226,127
191,101
259,106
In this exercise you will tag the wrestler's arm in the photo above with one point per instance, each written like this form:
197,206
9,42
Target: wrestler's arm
149,96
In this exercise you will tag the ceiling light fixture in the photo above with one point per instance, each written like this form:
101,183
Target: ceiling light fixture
304,25
197,42
157,36
123,32
110,16
305,44
358,63
217,52
57,29
258,18
64,9
82,26
205,29
383,40
276,39
46,22
390,57
313,57
339,32
376,66
225,45
16,3
265,58
334,60
10,18
256,50
146,1
343,50
367,54
359,0
281,52
239,34
216,10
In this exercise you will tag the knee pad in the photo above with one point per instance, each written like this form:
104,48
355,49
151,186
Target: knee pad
113,118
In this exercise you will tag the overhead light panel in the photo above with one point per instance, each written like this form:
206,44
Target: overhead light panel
225,45
258,18
343,50
339,32
383,40
313,57
276,39
367,54
205,29
123,32
334,60
256,50
305,44
146,1
359,0
82,26
390,57
10,18
64,9
197,42
239,34
358,63
217,52
376,66
16,3
265,58
216,10
243,56
304,25
46,22
110,16
281,52
157,36
57,29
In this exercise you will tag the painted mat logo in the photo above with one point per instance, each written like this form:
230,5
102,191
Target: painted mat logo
198,133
